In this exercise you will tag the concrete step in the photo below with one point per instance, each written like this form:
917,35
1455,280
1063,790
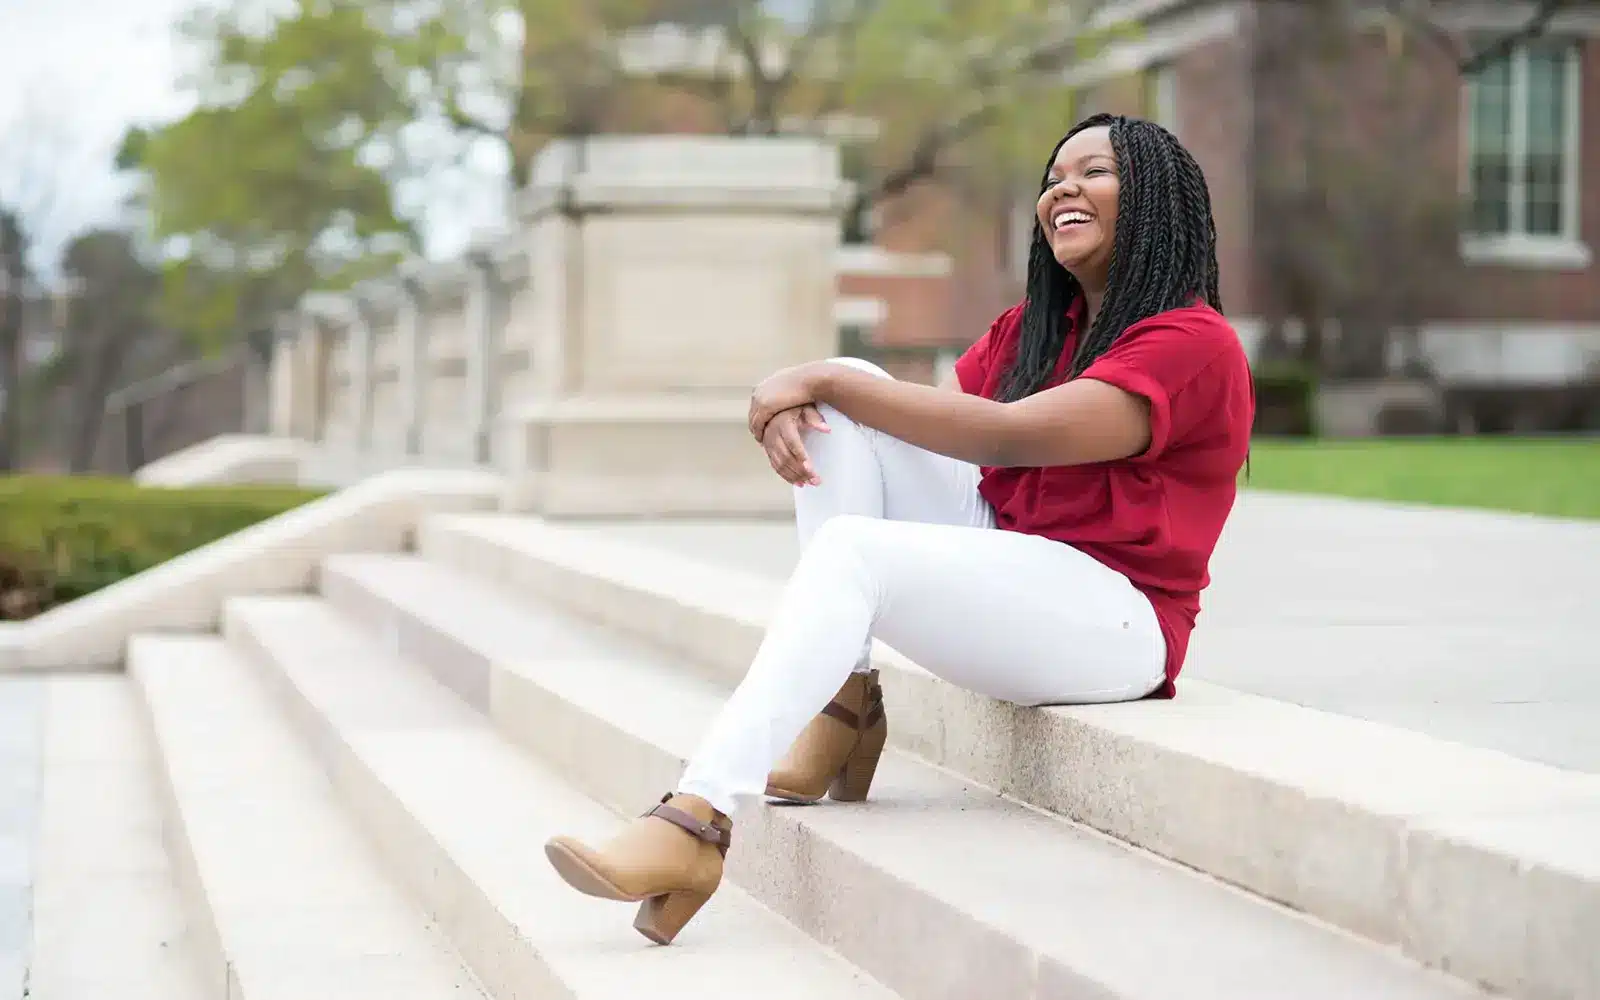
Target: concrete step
461,815
1006,901
1469,860
107,918
287,901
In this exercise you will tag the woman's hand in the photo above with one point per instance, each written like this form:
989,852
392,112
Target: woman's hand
784,390
785,444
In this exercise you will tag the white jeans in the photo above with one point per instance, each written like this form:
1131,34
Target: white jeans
897,544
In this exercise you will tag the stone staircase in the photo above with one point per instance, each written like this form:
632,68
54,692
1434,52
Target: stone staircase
357,781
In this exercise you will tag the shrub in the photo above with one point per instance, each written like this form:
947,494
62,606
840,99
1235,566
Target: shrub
63,537
24,586
1286,400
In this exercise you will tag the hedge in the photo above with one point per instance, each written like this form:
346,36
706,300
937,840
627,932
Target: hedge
64,536
1286,399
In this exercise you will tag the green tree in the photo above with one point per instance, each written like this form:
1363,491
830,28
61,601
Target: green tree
965,82
277,182
112,319
969,84
15,283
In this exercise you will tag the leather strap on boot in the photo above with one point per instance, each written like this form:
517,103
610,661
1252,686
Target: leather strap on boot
834,710
712,834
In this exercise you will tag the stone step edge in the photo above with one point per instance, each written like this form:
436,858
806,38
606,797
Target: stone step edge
277,554
108,918
560,706
218,917
499,948
1396,836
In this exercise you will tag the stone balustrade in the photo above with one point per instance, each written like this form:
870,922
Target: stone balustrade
600,354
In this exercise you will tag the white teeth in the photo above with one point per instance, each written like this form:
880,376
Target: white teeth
1068,218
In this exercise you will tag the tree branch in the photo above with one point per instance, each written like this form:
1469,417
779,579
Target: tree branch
925,156
765,91
1503,46
1470,63
820,25
465,122
937,140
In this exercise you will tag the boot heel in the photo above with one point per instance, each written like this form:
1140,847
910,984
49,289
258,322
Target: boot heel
854,780
662,917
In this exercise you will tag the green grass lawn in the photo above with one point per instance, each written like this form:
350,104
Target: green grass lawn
1555,476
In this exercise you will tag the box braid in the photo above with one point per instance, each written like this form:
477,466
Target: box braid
1164,255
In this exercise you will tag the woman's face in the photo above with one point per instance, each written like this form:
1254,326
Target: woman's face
1078,208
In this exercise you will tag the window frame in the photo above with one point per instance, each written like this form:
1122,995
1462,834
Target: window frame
1517,246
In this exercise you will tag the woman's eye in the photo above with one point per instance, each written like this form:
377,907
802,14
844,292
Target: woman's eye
1052,182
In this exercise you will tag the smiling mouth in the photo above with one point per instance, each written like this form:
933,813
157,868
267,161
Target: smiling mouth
1066,220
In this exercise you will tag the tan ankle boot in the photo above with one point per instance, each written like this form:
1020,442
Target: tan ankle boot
670,858
837,753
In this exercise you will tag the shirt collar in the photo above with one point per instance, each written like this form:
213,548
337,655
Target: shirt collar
1075,313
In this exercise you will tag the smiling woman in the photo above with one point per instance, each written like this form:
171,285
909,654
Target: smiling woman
1038,532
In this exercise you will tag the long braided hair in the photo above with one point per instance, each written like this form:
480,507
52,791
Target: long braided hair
1164,255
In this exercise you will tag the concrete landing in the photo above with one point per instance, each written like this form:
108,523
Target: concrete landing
21,754
105,919
1469,626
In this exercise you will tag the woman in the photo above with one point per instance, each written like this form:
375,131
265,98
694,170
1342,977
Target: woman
1037,531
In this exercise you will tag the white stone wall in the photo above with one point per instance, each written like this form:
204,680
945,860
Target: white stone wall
649,283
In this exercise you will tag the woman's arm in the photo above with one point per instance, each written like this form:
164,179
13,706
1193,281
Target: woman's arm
1077,423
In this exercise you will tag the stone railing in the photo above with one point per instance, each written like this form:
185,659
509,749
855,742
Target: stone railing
600,355
188,403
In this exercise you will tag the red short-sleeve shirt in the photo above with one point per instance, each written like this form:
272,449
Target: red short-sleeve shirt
1155,517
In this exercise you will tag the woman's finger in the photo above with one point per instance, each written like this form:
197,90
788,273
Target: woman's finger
779,461
777,449
812,418
790,434
797,466
784,465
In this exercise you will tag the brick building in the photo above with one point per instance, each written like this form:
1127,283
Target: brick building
925,273
1522,302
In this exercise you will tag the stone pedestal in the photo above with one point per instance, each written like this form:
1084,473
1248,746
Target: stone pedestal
671,275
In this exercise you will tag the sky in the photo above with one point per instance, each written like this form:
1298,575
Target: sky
74,74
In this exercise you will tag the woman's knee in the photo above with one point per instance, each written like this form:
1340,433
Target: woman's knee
861,364
832,416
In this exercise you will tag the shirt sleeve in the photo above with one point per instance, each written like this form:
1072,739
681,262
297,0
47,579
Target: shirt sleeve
1182,372
972,368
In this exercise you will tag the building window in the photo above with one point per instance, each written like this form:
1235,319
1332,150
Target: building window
1522,145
